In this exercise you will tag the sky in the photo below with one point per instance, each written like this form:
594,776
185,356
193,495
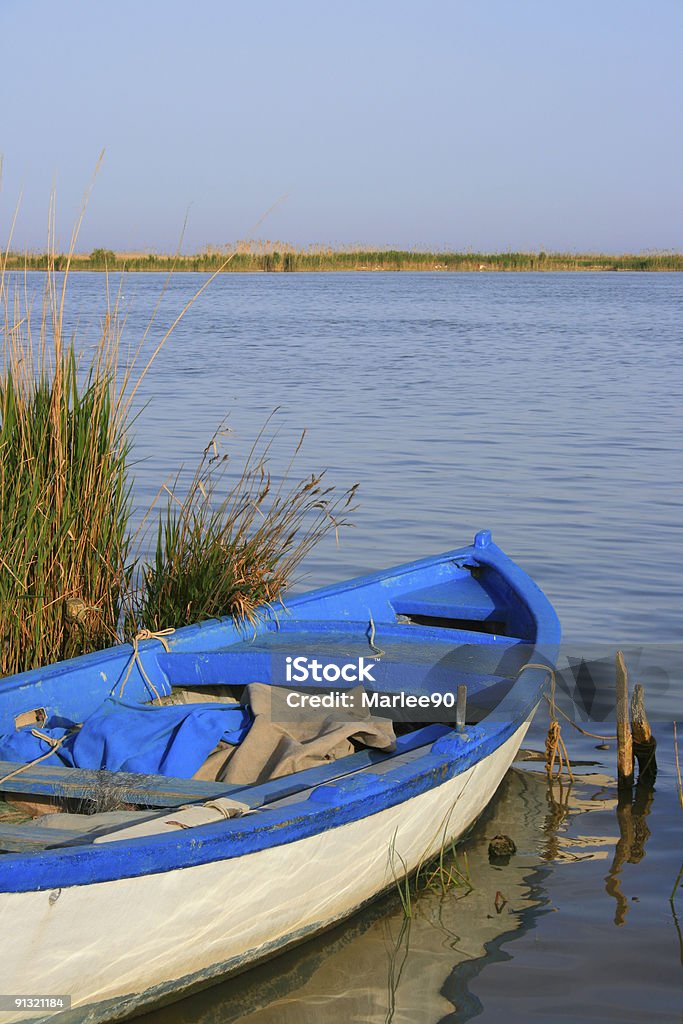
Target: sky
483,125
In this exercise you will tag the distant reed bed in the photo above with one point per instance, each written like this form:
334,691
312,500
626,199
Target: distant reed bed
278,257
72,578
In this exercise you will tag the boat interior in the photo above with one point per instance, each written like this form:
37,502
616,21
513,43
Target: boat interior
421,632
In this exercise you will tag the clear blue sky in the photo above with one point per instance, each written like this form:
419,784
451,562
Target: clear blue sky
485,124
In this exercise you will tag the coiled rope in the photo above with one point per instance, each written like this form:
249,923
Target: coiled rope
555,749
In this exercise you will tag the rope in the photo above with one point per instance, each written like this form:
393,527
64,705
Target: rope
377,651
584,732
145,634
54,745
555,749
678,771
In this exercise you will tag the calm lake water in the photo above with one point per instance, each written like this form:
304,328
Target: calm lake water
546,408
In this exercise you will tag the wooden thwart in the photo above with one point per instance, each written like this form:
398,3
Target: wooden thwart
28,837
65,783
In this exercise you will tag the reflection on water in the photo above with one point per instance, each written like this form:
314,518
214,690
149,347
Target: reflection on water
632,813
608,945
575,844
384,966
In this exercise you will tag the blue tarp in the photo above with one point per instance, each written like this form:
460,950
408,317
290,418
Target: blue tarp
172,740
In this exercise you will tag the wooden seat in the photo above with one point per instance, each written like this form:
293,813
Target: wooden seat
65,783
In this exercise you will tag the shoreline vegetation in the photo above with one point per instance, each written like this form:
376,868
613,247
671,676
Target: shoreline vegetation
75,576
278,257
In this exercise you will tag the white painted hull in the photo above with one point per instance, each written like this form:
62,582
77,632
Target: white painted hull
125,943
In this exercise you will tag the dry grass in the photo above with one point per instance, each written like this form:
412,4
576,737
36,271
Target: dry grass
232,544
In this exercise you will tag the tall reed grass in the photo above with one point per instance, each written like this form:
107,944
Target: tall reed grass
280,257
64,484
233,542
70,581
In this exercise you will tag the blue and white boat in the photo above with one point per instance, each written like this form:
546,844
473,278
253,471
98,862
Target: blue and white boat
106,914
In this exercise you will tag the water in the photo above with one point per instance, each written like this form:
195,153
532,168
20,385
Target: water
546,408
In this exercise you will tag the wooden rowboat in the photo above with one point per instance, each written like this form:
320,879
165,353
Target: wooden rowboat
195,879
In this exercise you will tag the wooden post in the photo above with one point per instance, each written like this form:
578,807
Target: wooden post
461,707
644,743
622,855
624,739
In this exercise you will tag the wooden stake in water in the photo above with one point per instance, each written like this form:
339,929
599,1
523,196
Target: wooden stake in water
624,739
644,743
461,707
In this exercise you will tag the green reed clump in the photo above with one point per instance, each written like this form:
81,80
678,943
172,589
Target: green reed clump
230,544
438,873
64,491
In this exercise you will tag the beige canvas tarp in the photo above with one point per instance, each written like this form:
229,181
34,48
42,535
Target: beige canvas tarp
285,739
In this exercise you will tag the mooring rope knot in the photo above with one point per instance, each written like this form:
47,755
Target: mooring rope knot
555,750
145,634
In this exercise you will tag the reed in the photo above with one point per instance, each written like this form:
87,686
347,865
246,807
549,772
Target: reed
438,873
679,785
444,872
401,877
233,542
280,257
64,488
679,779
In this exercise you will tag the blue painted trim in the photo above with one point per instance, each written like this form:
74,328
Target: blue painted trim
61,868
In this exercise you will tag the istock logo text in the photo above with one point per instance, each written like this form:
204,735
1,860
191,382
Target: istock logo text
303,670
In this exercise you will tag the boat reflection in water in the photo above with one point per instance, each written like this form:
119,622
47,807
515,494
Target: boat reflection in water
384,966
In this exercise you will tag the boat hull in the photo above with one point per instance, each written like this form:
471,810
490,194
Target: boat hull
172,931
